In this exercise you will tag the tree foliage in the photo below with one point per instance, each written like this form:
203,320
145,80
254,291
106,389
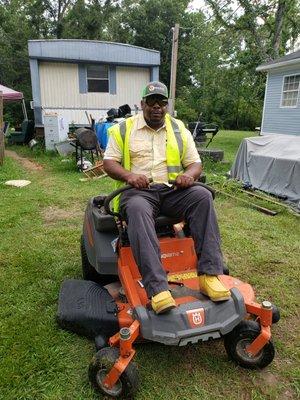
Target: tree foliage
218,53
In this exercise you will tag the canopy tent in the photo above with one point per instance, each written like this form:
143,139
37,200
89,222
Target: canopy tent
12,95
270,163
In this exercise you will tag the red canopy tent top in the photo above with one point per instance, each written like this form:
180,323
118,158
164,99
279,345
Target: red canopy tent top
10,94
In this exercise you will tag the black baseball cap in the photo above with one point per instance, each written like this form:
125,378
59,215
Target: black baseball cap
155,88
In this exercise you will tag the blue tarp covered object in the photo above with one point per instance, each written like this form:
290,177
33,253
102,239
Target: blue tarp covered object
101,133
270,163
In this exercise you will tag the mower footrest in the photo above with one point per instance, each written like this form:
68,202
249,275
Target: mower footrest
87,309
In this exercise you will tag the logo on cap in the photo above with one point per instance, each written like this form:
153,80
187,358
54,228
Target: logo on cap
151,88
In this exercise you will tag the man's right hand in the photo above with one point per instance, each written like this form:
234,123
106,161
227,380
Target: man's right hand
116,171
138,181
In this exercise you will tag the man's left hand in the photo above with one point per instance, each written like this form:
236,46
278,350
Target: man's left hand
184,181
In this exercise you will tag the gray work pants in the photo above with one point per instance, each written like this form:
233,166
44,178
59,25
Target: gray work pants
194,205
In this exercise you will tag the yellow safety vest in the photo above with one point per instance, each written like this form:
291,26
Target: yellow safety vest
175,150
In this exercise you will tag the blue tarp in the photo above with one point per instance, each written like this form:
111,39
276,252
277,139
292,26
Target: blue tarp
101,133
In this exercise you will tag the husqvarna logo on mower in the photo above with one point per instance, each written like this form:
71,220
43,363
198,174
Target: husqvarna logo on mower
196,317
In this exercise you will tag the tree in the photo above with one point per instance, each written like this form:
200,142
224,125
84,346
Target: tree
56,11
226,87
90,20
148,23
15,30
266,26
217,54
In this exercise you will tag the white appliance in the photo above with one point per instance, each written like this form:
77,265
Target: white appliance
56,130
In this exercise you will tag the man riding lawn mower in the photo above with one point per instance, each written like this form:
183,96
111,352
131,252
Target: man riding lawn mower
157,257
156,147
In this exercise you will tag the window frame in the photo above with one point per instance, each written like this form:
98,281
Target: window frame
288,91
98,79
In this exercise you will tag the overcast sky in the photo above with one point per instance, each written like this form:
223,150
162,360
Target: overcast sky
200,4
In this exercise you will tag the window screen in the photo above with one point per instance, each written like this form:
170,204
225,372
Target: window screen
290,91
98,78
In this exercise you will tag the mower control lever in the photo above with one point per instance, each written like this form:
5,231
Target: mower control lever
122,189
111,196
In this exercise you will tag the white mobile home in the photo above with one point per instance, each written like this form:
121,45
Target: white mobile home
281,113
71,77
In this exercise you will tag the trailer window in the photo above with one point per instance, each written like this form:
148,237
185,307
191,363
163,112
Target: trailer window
98,78
290,91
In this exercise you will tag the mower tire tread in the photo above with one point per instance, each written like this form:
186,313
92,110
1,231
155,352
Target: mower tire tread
128,382
275,314
88,271
242,335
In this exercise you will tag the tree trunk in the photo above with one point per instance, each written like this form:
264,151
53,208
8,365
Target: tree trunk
278,27
1,131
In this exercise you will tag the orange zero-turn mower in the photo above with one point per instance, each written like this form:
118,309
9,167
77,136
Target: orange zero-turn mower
111,305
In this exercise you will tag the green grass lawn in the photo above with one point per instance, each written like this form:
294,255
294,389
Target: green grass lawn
40,227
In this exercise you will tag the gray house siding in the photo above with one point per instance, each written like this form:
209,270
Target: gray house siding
36,91
277,119
154,74
88,50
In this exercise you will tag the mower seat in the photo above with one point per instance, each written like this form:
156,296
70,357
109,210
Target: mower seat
106,223
163,220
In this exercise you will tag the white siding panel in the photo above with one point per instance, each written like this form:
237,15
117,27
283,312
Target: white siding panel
130,83
59,84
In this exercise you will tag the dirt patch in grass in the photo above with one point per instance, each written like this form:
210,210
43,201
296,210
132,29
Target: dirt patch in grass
28,164
51,215
268,379
288,395
273,384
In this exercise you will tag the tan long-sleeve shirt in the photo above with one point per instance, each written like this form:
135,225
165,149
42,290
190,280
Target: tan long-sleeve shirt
147,149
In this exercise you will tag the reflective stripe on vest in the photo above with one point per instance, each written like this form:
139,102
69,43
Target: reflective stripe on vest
177,134
176,146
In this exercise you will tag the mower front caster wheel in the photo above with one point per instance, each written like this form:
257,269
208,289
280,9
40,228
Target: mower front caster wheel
275,314
242,336
101,364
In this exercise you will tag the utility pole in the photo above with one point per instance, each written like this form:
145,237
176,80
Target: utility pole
173,69
1,131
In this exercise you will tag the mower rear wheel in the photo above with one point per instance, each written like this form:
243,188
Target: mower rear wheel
89,273
242,336
101,364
